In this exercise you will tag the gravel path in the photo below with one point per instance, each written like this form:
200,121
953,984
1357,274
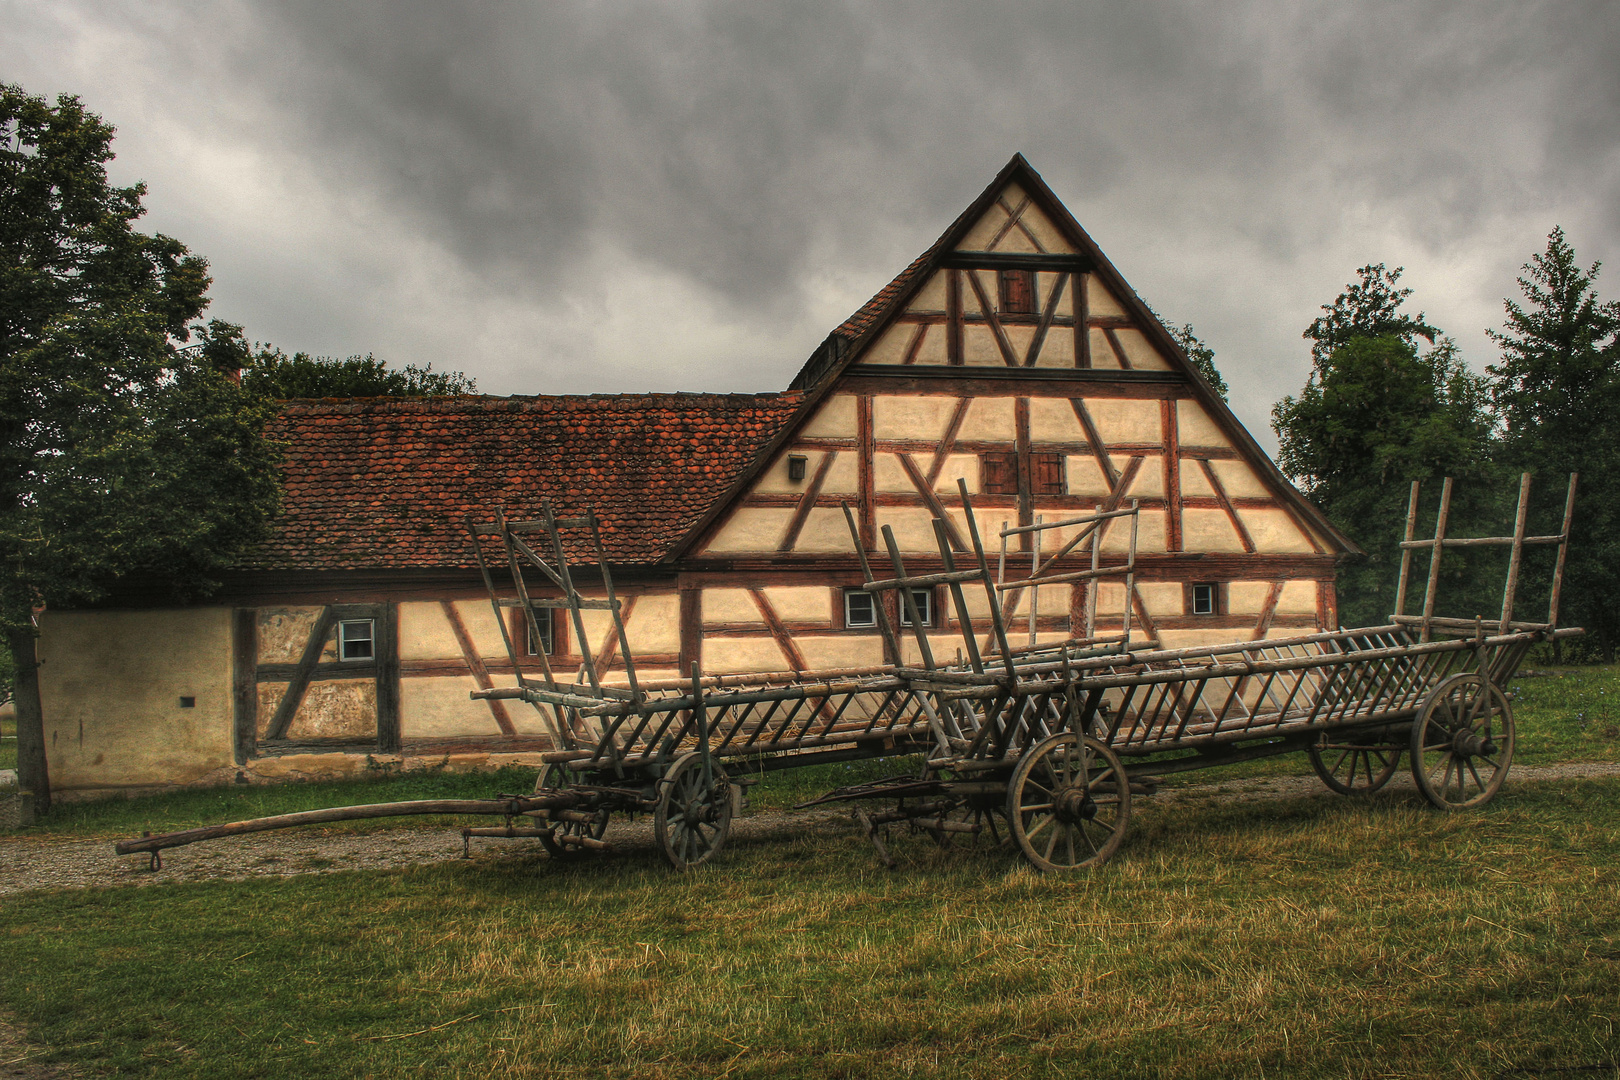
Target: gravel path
46,862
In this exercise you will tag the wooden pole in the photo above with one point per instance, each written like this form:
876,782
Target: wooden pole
1434,560
1406,553
508,807
918,631
1091,586
997,624
1563,548
570,593
958,599
1511,587
889,635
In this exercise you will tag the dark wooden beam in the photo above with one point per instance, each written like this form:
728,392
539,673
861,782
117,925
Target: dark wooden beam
1226,504
475,663
807,501
1015,260
298,680
1172,474
1008,357
953,312
244,681
386,646
1047,314
863,430
784,640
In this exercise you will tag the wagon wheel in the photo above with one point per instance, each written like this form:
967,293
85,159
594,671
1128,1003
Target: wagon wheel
693,817
1462,743
1069,802
1354,767
554,778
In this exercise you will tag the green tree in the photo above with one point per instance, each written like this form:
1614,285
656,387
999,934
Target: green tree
124,452
1201,355
275,374
1368,308
1557,390
1376,414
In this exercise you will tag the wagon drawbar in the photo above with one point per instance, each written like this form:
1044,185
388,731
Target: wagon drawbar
1041,745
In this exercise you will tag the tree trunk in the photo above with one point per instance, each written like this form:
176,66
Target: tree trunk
33,773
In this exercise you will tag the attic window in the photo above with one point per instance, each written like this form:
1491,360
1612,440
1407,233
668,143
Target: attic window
1018,292
539,635
796,463
355,639
1206,599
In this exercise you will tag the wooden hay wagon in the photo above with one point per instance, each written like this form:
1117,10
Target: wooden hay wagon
1041,745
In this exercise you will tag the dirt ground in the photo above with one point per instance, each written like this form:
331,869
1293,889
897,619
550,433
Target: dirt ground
42,862
46,862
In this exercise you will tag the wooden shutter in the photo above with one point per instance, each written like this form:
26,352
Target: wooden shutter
1018,292
1000,473
1046,474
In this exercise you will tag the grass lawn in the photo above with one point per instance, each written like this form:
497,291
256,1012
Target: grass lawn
1312,936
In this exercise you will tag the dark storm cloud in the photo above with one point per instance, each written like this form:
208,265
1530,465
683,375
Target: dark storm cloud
722,140
759,168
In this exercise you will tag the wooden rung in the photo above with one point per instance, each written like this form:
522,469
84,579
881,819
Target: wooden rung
1482,541
923,579
1088,519
1078,575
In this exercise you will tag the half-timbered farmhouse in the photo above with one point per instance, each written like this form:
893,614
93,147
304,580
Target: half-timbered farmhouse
1011,355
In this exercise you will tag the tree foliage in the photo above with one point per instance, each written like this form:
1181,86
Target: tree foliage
1557,391
1376,414
1201,355
274,374
124,452
1368,308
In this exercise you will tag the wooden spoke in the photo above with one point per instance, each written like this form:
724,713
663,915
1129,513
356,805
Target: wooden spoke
693,818
1355,764
1068,803
1462,743
554,778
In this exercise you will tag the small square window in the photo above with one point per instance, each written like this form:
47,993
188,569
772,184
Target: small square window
1018,292
539,636
924,599
860,608
1205,600
355,640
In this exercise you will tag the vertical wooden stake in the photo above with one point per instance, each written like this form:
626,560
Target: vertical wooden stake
997,624
1434,558
889,637
1512,586
1563,548
1091,586
1406,552
918,631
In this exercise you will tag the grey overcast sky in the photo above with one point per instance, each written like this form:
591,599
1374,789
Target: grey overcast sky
683,195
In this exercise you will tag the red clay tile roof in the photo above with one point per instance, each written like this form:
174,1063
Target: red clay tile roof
382,483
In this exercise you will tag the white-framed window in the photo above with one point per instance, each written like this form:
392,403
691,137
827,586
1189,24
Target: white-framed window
539,632
924,599
860,608
1206,599
357,639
